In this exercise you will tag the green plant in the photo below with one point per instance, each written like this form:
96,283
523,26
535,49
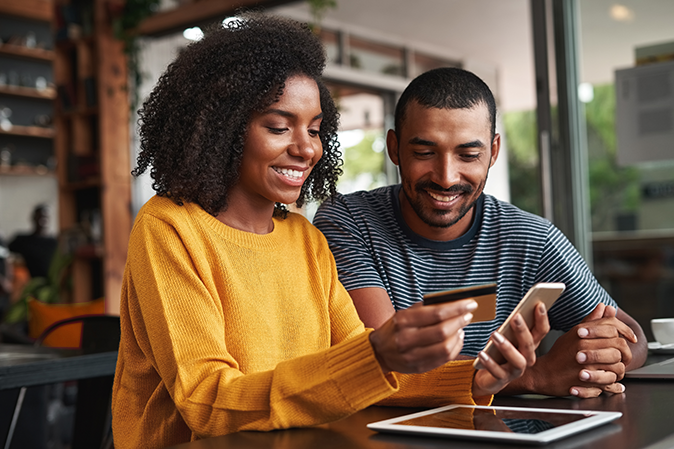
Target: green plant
46,289
124,25
318,9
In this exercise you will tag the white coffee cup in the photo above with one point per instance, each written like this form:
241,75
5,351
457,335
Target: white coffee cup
663,330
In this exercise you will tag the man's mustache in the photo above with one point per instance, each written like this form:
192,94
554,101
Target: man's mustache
430,185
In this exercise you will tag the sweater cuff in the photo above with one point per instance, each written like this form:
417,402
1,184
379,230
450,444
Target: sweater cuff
457,378
357,373
477,400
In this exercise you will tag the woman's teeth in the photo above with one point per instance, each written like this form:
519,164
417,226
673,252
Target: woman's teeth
289,173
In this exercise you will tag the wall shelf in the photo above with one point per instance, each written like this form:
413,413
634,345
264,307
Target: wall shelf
20,51
29,131
26,170
30,9
29,92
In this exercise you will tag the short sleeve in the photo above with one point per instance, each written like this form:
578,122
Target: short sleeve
560,262
350,241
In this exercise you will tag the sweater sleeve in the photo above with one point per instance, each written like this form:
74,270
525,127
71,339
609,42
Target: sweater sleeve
451,383
179,327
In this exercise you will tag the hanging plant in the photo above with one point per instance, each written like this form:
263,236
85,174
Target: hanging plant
124,23
318,9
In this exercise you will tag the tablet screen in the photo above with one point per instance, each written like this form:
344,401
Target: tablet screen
493,420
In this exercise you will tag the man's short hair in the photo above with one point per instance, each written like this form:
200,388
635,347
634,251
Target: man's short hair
446,88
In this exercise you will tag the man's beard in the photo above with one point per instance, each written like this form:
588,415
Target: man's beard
428,216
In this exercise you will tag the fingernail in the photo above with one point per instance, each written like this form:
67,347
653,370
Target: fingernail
471,305
574,392
584,375
484,356
541,309
581,357
622,388
582,332
467,317
518,320
499,338
462,334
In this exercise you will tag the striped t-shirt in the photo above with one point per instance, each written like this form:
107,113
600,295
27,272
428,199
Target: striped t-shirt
374,247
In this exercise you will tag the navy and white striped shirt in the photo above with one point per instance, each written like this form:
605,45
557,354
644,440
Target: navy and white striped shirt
374,247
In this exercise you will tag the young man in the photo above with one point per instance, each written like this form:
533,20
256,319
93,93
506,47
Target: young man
437,230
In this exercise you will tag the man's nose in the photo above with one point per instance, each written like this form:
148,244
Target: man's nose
446,173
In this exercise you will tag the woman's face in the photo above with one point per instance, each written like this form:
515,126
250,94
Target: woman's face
282,145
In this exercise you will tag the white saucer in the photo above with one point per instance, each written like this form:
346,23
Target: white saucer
657,348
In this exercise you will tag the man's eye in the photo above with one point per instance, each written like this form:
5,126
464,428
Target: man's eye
471,156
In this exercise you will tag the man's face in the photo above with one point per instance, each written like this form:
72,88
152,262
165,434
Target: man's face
444,157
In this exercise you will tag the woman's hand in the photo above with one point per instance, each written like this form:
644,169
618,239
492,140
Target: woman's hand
422,338
494,377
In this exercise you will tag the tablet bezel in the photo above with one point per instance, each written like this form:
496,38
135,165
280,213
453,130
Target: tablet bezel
595,419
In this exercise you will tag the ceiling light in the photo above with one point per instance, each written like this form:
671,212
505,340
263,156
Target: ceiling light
621,13
193,34
585,92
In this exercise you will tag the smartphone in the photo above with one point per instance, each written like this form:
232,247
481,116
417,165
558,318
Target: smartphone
484,295
545,292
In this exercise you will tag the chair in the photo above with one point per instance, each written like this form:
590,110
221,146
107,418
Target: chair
100,333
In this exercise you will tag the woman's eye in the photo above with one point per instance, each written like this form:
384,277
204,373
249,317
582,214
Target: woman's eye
314,132
277,130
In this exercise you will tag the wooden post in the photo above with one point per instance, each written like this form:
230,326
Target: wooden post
113,104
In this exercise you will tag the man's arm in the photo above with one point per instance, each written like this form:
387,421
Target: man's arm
373,305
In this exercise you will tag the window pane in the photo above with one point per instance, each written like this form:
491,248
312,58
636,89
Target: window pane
628,90
374,57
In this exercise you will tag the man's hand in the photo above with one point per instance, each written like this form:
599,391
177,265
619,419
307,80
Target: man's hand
422,338
494,377
588,360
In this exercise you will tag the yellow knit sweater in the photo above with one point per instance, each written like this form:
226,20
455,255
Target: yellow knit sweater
225,330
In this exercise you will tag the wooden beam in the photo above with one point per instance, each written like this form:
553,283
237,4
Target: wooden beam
113,103
29,9
199,13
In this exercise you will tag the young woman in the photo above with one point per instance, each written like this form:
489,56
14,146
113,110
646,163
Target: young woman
232,314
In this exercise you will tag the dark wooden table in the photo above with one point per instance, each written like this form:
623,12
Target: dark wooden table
30,366
27,366
647,407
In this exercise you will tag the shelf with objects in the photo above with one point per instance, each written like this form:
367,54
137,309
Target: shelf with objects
92,147
27,93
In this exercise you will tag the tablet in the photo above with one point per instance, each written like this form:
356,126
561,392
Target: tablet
505,424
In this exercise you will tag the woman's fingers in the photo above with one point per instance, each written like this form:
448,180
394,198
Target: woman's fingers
423,316
422,338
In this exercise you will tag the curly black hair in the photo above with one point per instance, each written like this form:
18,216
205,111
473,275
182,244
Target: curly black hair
193,125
